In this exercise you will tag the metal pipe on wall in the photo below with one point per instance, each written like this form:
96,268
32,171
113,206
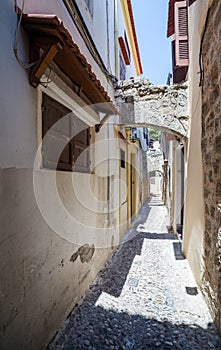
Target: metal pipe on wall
116,38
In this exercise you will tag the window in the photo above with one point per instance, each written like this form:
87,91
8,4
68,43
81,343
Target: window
180,45
89,4
71,158
125,50
181,34
122,68
122,159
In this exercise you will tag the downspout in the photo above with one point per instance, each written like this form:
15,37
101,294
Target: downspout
108,175
108,38
116,38
108,125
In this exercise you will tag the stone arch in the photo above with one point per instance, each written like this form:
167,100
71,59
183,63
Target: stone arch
158,106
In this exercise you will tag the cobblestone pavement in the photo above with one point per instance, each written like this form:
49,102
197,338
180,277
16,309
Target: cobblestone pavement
144,298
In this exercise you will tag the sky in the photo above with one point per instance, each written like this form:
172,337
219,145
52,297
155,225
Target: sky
150,18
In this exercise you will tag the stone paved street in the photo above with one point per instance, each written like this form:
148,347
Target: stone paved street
144,298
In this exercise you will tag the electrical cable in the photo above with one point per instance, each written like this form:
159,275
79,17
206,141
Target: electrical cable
201,49
78,20
48,79
27,66
24,65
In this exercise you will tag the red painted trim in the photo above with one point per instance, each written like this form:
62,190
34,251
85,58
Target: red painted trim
134,34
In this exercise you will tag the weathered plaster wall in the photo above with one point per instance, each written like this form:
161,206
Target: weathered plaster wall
211,151
43,275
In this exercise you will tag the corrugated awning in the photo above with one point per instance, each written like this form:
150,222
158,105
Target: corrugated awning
48,33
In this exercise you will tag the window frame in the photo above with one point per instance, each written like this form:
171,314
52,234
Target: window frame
47,103
122,158
57,94
122,67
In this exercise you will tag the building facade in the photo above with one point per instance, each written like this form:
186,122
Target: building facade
62,158
201,233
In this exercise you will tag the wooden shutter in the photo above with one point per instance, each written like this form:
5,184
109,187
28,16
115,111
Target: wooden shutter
181,34
52,111
80,142
75,154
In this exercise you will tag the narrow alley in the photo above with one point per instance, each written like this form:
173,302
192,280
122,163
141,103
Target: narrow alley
144,298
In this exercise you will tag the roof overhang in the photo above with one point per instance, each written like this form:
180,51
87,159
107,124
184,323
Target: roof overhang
51,41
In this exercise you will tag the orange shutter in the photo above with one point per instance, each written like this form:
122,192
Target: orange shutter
181,34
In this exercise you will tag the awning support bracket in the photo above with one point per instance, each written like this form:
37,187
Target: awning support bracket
46,58
99,126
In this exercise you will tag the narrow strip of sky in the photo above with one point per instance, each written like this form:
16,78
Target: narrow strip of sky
150,18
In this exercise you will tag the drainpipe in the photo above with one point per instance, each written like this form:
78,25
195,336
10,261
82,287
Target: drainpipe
108,174
165,181
116,38
108,38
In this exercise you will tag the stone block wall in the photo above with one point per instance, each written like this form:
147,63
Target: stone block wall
211,153
160,106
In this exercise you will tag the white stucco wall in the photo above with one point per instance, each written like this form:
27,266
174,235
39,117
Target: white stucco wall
18,137
39,282
194,204
97,25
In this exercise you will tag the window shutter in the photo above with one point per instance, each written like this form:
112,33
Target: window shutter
122,68
80,142
124,50
76,154
52,111
181,34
